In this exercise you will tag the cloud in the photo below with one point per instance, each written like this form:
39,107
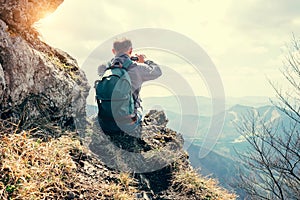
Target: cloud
263,27
261,15
243,38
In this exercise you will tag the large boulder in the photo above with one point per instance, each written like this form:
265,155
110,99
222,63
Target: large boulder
38,84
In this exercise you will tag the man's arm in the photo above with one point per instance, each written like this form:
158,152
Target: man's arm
148,70
101,69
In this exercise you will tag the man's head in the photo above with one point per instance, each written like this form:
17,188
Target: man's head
122,45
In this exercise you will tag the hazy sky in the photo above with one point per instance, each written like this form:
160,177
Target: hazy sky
245,39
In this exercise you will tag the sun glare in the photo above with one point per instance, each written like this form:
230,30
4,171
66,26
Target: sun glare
46,17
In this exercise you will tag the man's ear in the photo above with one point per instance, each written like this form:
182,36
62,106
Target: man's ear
114,51
130,51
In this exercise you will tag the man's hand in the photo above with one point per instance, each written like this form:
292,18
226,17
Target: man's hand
141,58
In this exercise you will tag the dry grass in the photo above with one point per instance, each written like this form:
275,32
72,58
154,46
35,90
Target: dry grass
190,184
32,169
62,169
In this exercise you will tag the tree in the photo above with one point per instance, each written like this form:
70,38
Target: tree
272,159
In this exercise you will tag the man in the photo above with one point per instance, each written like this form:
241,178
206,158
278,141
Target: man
140,71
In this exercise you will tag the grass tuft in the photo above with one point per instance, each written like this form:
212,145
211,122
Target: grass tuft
189,183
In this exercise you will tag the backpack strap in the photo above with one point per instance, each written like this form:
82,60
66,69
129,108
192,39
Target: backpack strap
125,65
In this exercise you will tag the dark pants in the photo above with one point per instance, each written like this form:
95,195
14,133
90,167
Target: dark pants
111,127
129,139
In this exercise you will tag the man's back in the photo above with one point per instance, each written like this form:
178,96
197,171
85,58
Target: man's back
139,72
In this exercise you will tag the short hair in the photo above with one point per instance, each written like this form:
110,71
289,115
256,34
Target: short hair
122,45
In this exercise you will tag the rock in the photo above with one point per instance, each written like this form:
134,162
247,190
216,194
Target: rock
2,83
157,148
38,84
21,14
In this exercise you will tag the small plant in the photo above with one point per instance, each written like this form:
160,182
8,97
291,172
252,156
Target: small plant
10,188
126,180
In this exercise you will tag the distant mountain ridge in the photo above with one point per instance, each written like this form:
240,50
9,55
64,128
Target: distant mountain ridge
204,104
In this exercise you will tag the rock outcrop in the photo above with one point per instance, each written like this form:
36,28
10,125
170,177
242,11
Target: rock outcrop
157,161
30,170
38,84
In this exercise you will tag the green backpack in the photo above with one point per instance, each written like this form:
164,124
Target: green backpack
114,94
